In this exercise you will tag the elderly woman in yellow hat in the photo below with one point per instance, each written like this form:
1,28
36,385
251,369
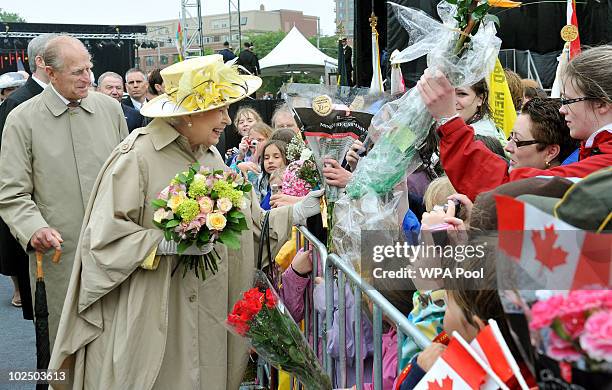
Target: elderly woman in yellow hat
128,322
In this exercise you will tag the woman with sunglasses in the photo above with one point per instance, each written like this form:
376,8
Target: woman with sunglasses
586,107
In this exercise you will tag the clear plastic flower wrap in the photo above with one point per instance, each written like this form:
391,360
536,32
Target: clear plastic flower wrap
371,212
401,126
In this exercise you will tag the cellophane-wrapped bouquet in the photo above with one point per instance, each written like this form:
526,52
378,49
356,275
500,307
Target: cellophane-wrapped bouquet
301,175
402,125
261,317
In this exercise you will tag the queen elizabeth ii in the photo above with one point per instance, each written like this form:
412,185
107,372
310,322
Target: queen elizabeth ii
128,322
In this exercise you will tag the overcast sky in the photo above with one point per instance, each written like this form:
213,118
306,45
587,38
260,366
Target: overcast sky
141,11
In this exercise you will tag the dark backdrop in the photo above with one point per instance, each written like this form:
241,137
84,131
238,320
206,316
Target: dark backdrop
106,55
533,27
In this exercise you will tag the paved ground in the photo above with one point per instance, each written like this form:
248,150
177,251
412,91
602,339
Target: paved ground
17,340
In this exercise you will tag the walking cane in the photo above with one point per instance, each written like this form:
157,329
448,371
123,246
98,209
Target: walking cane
41,315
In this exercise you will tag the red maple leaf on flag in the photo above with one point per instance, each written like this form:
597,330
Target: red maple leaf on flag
546,252
447,384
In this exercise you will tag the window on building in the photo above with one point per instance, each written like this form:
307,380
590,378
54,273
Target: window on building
163,60
149,61
207,39
217,38
175,58
243,20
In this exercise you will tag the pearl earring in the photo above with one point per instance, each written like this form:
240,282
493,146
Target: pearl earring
189,124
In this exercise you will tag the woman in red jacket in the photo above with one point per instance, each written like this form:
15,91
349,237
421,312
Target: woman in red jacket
586,106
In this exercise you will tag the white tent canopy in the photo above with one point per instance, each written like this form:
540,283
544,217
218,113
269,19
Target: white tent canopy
294,54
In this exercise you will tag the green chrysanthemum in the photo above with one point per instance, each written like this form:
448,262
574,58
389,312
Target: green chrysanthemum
226,190
198,188
188,210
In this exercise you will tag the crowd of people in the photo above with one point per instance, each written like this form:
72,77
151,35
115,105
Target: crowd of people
80,166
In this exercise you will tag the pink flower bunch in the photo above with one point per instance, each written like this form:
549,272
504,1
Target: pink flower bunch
581,324
292,184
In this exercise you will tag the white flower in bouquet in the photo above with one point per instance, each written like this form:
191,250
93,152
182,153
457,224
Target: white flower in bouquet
306,154
224,205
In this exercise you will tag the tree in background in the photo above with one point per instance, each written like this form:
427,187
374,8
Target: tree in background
6,16
264,43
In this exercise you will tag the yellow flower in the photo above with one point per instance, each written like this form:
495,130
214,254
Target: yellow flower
176,200
215,221
504,3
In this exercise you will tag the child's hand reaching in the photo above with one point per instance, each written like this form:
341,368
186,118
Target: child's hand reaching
429,355
302,263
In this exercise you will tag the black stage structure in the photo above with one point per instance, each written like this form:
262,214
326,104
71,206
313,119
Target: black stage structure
112,47
532,27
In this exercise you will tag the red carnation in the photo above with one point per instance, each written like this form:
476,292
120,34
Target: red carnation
270,299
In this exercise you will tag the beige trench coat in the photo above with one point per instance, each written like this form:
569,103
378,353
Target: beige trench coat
51,156
131,328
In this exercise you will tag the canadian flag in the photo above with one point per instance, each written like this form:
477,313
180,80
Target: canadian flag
547,253
491,347
457,368
573,20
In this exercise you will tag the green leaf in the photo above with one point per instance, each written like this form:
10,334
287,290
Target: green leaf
159,203
172,223
491,18
182,178
218,172
296,356
451,1
167,235
183,245
480,11
235,214
195,167
204,237
230,239
242,224
247,187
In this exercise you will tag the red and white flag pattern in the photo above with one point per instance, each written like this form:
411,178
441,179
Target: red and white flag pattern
555,254
573,20
490,345
455,369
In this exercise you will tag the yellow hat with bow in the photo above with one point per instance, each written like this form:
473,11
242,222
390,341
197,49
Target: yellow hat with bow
199,84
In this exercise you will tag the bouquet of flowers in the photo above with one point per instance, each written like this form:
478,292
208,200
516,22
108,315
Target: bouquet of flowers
464,48
200,207
262,318
563,336
301,175
578,327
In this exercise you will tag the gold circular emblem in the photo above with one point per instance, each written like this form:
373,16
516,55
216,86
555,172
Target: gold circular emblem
569,33
322,105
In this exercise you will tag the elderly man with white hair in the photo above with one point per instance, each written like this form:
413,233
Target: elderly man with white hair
53,148
13,260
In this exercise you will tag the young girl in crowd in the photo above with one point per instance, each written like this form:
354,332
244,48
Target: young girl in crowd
273,163
246,118
249,161
586,105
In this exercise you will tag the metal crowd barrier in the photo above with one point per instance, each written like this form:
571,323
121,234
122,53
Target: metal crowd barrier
331,266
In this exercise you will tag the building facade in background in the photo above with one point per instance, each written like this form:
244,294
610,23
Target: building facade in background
216,31
345,16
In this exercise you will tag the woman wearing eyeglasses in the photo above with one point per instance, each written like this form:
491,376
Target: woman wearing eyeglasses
587,111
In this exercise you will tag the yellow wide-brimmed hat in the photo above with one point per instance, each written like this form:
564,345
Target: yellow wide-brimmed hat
199,84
